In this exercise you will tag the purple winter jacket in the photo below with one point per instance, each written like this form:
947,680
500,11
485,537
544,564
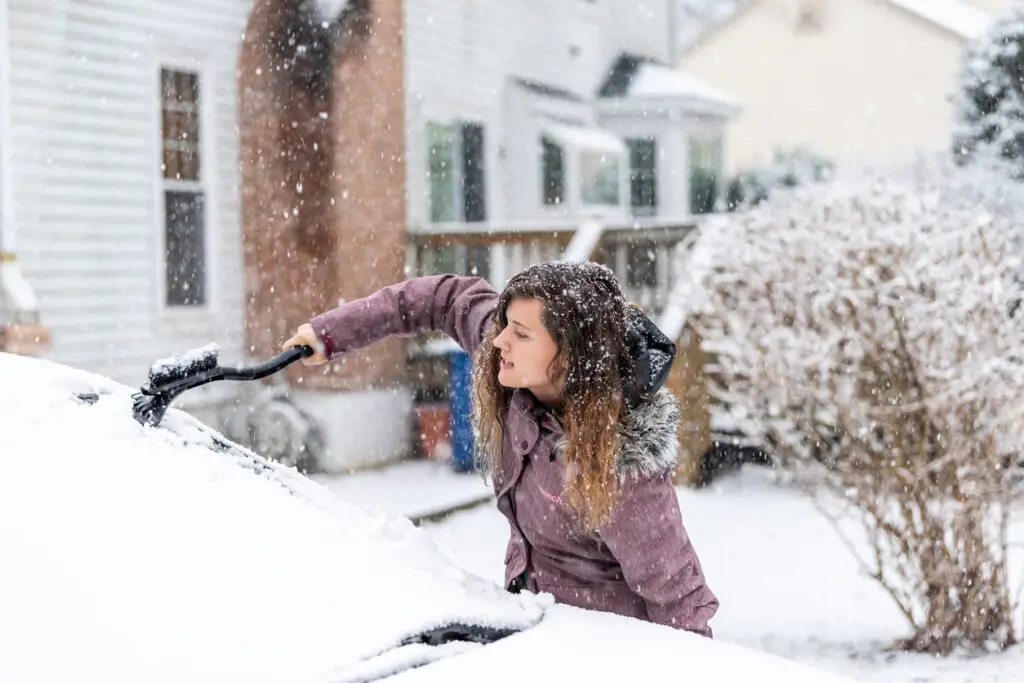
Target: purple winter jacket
643,564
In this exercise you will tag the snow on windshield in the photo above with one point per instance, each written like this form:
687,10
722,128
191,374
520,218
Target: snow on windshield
132,553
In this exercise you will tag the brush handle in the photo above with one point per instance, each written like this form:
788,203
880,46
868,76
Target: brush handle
258,371
269,367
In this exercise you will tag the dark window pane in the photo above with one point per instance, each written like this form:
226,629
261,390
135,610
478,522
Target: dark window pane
478,261
185,248
642,264
553,172
643,175
474,199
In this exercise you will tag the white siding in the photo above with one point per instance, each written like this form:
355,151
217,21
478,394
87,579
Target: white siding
460,55
85,115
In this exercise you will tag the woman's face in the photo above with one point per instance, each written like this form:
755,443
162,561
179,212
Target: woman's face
527,349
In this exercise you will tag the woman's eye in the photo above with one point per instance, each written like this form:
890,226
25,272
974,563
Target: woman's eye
520,335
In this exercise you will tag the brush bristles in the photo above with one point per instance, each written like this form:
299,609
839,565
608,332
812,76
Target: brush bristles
184,365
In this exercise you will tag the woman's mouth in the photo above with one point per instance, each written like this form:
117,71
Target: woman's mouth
505,365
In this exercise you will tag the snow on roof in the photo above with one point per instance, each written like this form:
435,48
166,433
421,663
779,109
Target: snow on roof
329,10
656,80
956,16
585,137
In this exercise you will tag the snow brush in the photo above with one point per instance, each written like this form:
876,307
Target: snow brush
171,377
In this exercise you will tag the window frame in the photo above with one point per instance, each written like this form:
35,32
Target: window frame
204,185
643,176
458,188
608,160
546,144
715,140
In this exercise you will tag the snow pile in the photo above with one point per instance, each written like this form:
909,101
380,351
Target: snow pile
132,553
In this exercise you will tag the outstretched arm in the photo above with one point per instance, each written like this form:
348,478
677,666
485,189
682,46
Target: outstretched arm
462,307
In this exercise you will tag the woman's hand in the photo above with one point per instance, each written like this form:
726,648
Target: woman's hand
305,335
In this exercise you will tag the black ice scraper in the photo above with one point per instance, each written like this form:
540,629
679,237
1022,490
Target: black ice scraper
169,378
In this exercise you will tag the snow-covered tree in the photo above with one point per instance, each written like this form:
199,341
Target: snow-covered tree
865,331
989,102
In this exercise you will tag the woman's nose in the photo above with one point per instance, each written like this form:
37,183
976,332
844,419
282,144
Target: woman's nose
500,341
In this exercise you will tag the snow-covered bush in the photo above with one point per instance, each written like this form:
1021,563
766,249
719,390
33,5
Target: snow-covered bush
789,168
989,101
865,331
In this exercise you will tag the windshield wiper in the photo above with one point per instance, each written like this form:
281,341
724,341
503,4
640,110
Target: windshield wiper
461,633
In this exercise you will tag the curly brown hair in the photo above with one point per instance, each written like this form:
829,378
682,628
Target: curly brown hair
585,313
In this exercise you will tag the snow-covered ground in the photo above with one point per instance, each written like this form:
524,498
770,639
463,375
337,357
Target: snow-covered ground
787,583
411,488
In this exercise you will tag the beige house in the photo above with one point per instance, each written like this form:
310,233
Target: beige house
859,81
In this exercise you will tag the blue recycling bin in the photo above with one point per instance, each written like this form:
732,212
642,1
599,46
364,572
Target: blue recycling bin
460,399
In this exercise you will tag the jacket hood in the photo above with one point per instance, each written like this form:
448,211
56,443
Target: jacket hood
648,438
652,353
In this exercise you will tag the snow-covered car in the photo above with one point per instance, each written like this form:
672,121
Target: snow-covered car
131,553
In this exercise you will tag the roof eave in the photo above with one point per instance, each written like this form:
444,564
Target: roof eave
664,105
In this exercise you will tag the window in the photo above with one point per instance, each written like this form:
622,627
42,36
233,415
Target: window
474,195
456,172
705,156
184,195
455,258
441,172
553,168
643,176
599,178
641,264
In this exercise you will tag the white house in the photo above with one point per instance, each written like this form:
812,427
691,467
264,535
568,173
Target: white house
574,113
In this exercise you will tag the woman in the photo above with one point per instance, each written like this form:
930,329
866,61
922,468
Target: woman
572,425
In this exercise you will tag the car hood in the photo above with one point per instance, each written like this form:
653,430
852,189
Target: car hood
173,554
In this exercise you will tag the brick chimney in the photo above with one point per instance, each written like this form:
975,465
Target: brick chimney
323,147
323,201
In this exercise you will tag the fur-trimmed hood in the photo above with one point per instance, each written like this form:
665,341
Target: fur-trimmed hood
648,438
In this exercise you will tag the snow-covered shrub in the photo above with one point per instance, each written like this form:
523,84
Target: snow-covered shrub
989,101
789,168
865,331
